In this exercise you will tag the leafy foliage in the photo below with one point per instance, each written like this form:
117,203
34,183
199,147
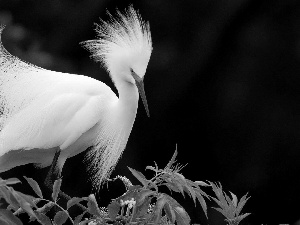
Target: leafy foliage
140,204
230,208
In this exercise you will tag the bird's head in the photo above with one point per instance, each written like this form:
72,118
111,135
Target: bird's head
124,48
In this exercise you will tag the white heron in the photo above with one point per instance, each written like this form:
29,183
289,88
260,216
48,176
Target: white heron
46,113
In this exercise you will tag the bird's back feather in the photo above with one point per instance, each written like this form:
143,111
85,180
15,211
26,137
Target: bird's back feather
29,95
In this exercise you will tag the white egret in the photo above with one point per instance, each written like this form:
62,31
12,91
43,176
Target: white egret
45,112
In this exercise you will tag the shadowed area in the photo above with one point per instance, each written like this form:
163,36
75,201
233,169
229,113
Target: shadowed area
41,157
222,82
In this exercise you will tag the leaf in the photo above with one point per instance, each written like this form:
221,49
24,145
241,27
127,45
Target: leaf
220,195
220,210
241,204
201,183
151,168
93,206
35,186
138,175
6,194
45,208
12,181
113,209
172,187
13,201
161,201
173,159
142,195
28,198
169,212
78,218
202,203
219,203
3,221
42,218
182,218
60,217
191,192
23,203
9,217
234,199
230,207
179,178
141,210
180,187
130,194
74,201
241,217
87,222
56,189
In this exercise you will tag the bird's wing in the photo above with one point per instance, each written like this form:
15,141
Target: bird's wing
55,122
31,97
21,83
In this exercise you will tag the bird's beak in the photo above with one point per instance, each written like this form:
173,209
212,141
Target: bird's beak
140,85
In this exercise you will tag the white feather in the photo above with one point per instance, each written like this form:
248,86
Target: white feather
43,109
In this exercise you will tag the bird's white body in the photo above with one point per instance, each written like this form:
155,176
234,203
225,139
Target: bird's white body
44,110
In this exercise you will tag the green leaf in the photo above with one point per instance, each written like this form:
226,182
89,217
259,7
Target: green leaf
28,198
220,210
191,192
78,218
86,222
74,201
151,168
179,186
6,194
161,201
241,204
230,207
220,195
13,201
173,159
169,212
9,217
45,208
172,187
202,203
139,176
56,189
3,221
113,209
219,203
42,218
179,178
60,217
182,218
241,217
93,206
35,186
12,181
142,209
234,199
201,183
23,203
142,195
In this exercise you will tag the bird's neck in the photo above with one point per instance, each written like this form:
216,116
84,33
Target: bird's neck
128,99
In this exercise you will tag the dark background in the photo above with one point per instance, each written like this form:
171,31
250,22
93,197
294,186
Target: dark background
222,83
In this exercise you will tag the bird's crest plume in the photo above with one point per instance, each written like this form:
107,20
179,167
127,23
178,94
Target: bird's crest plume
124,35
121,39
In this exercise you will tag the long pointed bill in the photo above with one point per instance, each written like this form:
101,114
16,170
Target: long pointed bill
140,85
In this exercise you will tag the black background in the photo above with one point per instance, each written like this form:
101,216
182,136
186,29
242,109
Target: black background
222,83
